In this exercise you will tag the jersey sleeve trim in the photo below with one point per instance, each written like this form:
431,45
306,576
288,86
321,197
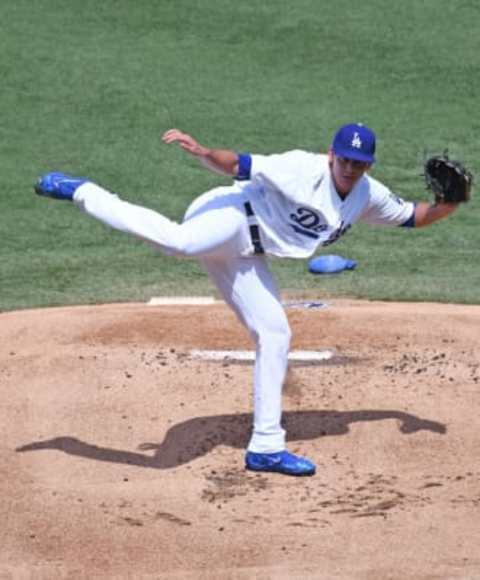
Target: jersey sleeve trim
410,223
244,167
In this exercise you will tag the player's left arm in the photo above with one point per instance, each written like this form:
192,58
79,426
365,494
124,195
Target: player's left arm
390,209
429,213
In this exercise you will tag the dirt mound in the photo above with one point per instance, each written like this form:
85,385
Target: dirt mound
122,456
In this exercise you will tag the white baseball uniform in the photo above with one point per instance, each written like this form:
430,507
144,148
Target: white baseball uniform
286,206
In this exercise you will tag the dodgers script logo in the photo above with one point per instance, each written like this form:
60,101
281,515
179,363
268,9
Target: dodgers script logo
307,222
338,233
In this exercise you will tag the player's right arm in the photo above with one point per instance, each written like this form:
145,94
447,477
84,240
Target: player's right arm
223,161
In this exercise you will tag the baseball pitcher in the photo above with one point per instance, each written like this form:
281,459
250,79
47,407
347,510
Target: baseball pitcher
284,205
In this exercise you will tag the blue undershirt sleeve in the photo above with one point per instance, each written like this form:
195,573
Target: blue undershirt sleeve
410,223
244,167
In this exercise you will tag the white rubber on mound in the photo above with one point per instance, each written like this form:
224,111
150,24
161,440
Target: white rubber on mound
181,300
249,355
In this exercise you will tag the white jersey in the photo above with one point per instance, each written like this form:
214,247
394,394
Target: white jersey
298,208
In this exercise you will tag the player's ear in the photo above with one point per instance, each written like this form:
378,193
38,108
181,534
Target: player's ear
330,155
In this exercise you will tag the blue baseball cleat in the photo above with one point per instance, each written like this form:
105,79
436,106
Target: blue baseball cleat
58,185
280,462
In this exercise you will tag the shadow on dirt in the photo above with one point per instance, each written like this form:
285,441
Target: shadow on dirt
194,438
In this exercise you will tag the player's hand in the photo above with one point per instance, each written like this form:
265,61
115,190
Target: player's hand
221,161
186,142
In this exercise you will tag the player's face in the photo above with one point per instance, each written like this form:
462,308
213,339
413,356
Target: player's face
346,172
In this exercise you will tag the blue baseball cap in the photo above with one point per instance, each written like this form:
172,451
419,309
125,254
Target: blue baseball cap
355,141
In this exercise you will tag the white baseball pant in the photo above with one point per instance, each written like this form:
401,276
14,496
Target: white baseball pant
215,231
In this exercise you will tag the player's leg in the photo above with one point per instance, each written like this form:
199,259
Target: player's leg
248,286
222,228
218,224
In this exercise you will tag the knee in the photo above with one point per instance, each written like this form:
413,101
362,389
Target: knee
275,339
182,245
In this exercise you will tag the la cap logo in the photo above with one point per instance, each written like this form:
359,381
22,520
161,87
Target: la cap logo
356,141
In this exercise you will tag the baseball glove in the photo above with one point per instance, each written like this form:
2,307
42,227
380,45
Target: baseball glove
450,181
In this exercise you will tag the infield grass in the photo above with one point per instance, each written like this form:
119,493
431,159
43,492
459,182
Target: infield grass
88,88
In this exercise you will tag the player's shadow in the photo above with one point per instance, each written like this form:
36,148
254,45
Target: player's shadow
194,438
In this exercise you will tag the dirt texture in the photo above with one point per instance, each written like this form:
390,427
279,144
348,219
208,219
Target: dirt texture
122,456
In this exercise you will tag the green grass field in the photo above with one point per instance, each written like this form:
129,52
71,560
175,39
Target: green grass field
88,88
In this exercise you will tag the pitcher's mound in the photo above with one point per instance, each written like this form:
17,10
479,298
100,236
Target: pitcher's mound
122,453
